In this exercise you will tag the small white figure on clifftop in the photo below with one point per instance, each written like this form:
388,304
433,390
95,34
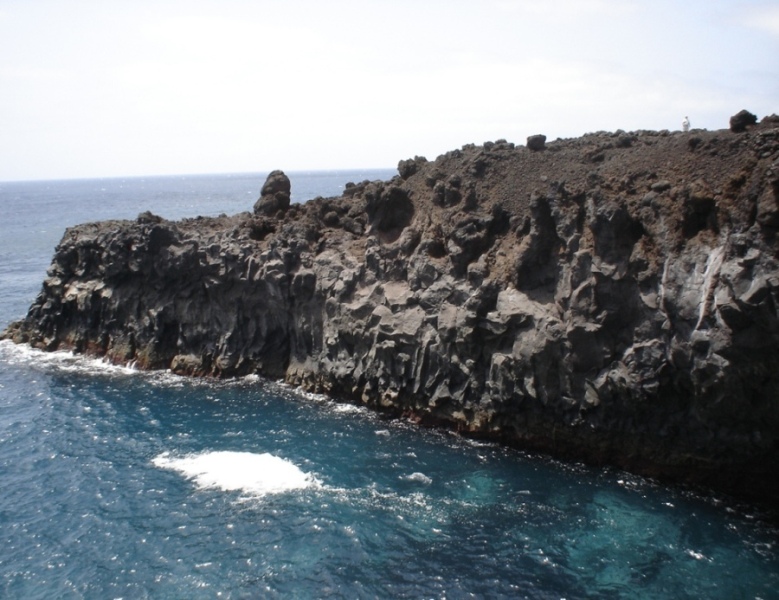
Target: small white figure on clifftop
686,124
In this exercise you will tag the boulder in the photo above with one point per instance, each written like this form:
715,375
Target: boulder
536,142
741,120
274,195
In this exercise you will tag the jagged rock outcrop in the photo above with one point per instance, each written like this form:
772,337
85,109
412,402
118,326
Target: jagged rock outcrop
612,299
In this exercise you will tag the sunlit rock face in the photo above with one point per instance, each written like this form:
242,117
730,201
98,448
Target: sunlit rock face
612,298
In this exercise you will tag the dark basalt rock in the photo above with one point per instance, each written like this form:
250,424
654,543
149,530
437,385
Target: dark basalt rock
618,311
274,195
389,208
741,120
536,142
407,168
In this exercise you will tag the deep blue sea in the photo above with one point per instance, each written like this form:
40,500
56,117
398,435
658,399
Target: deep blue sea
123,484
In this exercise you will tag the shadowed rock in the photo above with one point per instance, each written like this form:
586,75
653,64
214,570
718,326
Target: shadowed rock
536,142
741,120
275,194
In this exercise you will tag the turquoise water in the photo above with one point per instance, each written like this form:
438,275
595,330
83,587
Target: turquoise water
117,483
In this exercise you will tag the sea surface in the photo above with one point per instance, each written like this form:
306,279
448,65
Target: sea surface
116,483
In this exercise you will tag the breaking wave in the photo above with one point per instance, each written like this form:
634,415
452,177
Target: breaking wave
253,474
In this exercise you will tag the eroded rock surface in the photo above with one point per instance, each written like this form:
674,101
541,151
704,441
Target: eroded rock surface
612,299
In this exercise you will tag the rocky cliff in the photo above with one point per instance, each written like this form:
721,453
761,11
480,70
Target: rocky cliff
611,298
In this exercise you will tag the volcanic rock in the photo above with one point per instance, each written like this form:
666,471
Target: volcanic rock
536,142
274,195
741,120
601,301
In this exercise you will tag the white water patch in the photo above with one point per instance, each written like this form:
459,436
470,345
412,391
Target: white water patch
418,478
350,409
333,404
253,474
697,555
61,360
300,392
66,361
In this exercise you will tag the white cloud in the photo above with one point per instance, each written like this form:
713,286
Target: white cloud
763,18
251,86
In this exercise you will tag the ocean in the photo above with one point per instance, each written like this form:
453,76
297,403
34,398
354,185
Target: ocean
116,483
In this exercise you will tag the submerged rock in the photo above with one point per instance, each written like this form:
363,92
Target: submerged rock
619,311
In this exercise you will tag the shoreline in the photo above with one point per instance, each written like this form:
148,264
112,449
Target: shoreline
610,298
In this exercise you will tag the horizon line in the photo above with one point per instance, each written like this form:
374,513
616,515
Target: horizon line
199,174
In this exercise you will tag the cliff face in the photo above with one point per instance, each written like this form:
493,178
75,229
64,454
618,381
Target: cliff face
611,298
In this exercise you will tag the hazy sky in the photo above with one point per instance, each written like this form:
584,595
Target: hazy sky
142,87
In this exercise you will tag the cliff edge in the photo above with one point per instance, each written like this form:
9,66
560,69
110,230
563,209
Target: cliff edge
610,298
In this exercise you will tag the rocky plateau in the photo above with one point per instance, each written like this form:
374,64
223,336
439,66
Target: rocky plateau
610,299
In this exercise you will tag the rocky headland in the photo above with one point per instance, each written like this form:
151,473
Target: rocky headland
610,299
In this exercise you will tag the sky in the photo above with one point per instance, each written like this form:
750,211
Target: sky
92,88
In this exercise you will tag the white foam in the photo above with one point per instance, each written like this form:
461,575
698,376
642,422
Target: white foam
418,478
343,408
253,474
62,360
697,555
65,361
